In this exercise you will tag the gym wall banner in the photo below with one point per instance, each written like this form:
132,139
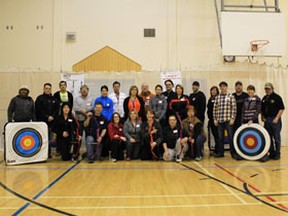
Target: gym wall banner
251,142
25,142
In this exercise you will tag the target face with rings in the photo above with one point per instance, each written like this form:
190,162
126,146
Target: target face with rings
27,142
251,142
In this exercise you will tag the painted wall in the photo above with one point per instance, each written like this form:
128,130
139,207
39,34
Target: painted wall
186,33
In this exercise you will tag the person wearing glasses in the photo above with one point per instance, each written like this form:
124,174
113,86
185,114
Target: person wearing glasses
272,108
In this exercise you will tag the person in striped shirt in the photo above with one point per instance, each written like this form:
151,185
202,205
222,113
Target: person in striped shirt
224,114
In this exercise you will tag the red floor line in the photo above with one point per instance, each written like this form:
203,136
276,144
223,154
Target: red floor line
251,186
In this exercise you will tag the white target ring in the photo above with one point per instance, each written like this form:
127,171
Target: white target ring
251,142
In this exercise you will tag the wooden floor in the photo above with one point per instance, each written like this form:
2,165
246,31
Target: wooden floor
215,187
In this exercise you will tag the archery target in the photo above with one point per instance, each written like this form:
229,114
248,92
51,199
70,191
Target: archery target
26,142
251,142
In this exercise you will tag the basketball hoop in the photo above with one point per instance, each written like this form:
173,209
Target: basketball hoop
257,44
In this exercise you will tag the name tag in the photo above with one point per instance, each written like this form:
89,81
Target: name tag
160,102
212,101
175,131
70,120
120,129
88,104
182,99
147,98
137,125
108,105
101,122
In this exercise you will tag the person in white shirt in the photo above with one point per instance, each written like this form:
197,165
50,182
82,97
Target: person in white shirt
118,98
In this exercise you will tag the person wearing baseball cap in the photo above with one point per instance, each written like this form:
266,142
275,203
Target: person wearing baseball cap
224,114
240,97
21,107
272,108
198,100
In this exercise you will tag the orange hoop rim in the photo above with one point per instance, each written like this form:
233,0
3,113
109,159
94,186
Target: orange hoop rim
259,42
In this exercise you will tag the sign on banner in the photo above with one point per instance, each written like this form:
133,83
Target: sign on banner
74,82
175,76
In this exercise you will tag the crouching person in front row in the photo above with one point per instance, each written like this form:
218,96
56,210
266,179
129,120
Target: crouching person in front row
117,138
66,127
96,127
175,141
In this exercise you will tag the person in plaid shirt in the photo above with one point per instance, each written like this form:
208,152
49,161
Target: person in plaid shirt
224,114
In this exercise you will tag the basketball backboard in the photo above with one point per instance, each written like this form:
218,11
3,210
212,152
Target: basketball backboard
239,29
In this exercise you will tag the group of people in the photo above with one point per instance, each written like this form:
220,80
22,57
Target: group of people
162,125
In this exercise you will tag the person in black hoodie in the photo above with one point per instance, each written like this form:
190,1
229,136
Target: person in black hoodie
151,137
198,100
21,107
47,108
66,127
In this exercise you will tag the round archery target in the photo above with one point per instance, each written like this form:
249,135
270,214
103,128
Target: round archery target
27,142
252,142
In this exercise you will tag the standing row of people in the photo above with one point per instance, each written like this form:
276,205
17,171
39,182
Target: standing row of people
225,112
229,111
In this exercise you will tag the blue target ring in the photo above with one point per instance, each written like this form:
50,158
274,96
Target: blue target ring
256,135
27,142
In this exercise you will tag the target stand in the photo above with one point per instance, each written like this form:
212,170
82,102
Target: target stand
25,142
251,142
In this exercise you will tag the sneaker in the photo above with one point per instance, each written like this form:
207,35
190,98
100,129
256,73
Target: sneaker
113,160
265,158
218,155
75,160
276,157
198,158
178,160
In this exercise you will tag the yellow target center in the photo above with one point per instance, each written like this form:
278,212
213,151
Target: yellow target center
250,142
27,142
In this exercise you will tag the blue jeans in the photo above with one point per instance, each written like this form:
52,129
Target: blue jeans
133,149
199,145
221,128
94,149
275,137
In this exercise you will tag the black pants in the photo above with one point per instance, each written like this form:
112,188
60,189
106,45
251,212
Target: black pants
117,147
214,130
145,152
65,148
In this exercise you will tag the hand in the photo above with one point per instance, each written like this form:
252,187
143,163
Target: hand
275,120
79,138
216,123
116,136
154,131
132,140
123,139
192,140
166,155
153,144
250,122
263,119
50,118
65,134
231,122
99,139
89,114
